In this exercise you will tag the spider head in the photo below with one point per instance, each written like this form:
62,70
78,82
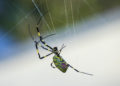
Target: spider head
55,49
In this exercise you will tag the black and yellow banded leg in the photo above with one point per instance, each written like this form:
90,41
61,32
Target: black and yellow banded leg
38,31
36,45
80,71
44,47
45,56
41,39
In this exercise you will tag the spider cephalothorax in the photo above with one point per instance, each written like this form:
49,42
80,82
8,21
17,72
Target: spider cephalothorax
55,50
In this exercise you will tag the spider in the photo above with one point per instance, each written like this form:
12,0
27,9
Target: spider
58,61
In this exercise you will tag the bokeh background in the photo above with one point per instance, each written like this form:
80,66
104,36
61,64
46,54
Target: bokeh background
90,29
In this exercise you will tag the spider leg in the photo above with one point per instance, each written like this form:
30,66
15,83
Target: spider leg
52,65
41,39
80,71
48,36
44,47
45,38
45,56
63,46
36,43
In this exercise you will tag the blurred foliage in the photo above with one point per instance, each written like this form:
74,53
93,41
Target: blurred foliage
15,15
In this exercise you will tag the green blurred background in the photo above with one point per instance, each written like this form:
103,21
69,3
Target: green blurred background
15,15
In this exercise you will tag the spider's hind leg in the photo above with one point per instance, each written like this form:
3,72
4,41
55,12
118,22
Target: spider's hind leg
80,71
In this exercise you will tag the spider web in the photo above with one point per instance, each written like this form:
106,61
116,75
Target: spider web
37,12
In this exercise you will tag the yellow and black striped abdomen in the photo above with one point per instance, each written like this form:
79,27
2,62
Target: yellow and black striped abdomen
60,63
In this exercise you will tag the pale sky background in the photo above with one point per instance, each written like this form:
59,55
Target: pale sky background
95,51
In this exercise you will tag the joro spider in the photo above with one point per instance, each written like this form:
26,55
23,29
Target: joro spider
58,61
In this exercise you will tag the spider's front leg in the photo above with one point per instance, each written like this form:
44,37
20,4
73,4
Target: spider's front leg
45,56
63,46
36,45
41,39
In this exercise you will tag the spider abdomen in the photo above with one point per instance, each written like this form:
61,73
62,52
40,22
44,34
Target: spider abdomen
60,63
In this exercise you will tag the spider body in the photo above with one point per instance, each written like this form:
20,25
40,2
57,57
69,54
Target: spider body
60,63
